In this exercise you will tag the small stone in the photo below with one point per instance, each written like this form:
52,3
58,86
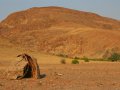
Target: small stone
40,83
1,85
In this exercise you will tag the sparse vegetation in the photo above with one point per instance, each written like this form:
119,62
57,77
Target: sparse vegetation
63,61
75,61
62,55
114,57
77,58
85,59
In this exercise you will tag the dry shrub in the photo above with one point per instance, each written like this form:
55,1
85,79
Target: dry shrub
63,61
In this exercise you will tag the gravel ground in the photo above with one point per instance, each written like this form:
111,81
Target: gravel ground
85,76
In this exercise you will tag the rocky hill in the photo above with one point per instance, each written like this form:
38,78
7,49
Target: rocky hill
62,31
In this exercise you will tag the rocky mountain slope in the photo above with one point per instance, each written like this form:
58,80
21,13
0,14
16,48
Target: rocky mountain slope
58,30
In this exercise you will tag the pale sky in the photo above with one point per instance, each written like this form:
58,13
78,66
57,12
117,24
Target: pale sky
108,8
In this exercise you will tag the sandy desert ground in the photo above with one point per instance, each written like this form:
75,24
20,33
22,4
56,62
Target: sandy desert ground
84,76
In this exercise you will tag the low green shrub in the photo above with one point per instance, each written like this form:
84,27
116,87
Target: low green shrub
85,59
114,57
75,61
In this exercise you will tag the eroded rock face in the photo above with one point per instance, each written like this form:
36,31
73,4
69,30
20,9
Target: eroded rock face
58,30
31,69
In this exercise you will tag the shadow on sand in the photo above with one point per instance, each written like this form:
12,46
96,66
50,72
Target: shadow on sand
42,76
